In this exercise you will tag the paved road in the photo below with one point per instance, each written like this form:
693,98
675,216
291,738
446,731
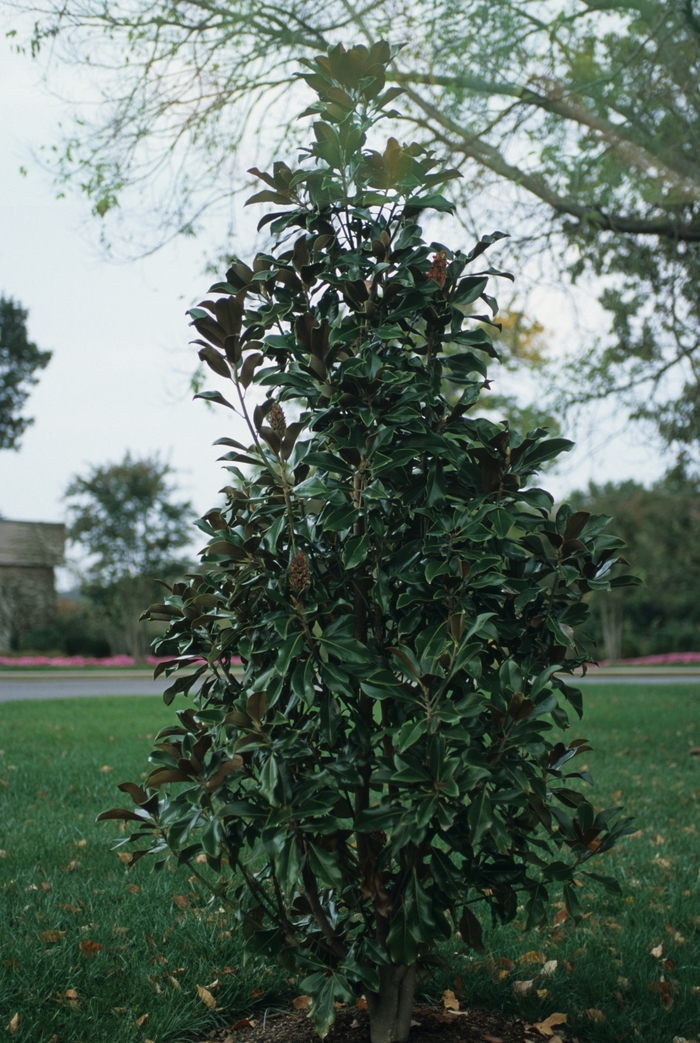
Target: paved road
40,685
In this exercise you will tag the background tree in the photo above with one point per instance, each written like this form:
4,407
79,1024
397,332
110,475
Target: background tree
588,109
405,604
125,520
20,359
661,527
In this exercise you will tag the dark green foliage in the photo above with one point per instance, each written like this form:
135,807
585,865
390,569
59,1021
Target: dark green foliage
20,359
76,630
404,602
661,527
125,520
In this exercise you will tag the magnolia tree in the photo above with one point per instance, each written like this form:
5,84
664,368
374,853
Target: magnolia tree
383,768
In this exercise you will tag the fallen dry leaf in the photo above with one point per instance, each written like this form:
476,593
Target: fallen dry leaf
124,857
3,853
676,935
105,768
244,1023
361,1003
658,950
13,1025
181,901
302,1002
624,983
595,1015
532,957
133,889
88,948
72,997
664,989
206,997
45,885
521,988
255,993
140,1021
550,967
52,936
561,917
548,1024
544,994
449,1000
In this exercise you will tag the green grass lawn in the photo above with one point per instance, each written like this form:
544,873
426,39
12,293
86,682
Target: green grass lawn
87,948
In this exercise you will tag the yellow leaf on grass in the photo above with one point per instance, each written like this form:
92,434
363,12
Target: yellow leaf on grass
595,1015
658,950
532,957
449,1000
88,948
52,936
302,1002
124,857
676,935
140,1021
547,1026
206,997
13,1025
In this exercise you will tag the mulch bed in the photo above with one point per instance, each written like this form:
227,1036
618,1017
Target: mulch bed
352,1026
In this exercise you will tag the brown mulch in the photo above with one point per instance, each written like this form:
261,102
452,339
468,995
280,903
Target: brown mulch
430,1025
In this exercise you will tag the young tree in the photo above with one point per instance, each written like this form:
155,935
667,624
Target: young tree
404,603
124,517
20,359
588,109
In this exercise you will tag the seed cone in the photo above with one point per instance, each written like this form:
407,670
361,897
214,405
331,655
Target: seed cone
299,577
277,420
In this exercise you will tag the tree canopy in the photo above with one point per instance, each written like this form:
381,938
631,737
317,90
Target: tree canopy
588,109
20,359
659,526
125,520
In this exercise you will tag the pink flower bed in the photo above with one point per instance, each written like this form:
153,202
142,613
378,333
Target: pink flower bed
665,659
79,660
73,660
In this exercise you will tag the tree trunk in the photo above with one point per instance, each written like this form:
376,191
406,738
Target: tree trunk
611,610
391,1008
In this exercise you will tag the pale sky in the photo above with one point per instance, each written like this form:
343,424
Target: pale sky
118,379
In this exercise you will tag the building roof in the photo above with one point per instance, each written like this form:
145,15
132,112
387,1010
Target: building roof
32,543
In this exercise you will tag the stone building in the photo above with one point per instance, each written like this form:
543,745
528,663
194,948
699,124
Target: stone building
29,552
